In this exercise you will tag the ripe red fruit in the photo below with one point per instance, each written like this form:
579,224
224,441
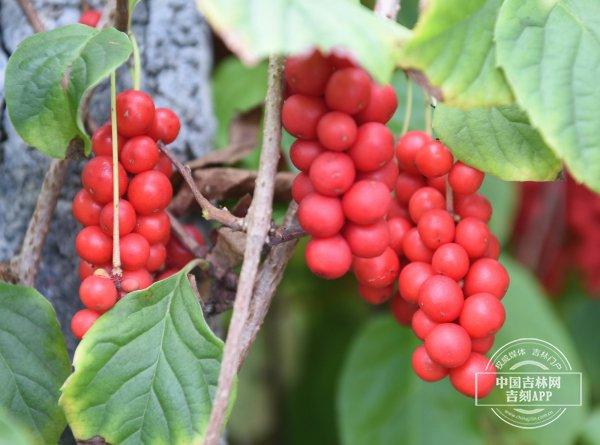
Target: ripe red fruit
348,90
407,148
91,17
164,165
463,377
402,310
85,269
373,148
166,274
332,174
321,216
329,258
165,125
382,105
398,227
441,298
482,315
155,228
465,180
139,154
379,271
301,187
135,251
102,141
412,276
448,345
177,254
127,218
303,153
425,367
85,209
422,325
156,257
438,183
413,247
82,321
341,60
336,131
434,160
150,192
436,227
473,235
487,275
97,179
406,185
476,206
451,260
493,249
375,295
308,74
388,174
367,241
397,210
135,113
483,344
424,199
133,280
300,115
98,293
366,202
93,245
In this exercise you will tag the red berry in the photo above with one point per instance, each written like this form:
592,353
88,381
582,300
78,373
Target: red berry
332,174
397,210
463,377
329,258
413,247
366,202
451,260
482,315
379,271
97,179
85,269
177,254
303,153
465,180
388,174
321,216
424,199
308,74
93,245
341,60
91,17
476,206
155,228
436,227
438,183
398,227
165,126
412,276
98,293
367,241
422,325
301,187
348,90
150,192
133,280
135,251
373,148
448,345
483,344
82,321
441,298
102,141
166,274
473,235
487,275
493,249
407,148
425,367
127,218
135,113
156,257
375,295
434,159
336,131
402,310
382,105
406,185
85,209
139,154
164,165
300,115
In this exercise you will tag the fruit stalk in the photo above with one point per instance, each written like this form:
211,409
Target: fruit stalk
116,256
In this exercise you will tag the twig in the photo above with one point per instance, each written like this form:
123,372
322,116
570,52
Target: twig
288,231
229,155
259,219
32,15
186,239
121,19
116,253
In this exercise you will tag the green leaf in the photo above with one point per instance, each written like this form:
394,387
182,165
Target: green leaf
453,45
236,89
147,371
257,29
591,431
417,115
381,401
550,52
504,197
33,362
12,432
47,77
497,140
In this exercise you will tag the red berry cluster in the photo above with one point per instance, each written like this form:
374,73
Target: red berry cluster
146,191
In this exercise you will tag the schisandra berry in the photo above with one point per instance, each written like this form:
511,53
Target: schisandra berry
85,210
300,115
97,179
473,235
487,275
452,260
463,377
98,293
91,17
414,248
406,186
375,295
156,228
332,174
373,148
397,227
482,315
135,251
150,192
434,160
308,74
424,199
127,218
367,241
82,321
436,227
301,187
328,257
465,180
476,206
379,271
366,202
409,144
165,126
412,277
422,325
441,298
321,216
303,153
139,154
402,310
93,245
483,344
387,174
382,105
133,280
135,113
348,90
102,141
448,345
336,131
177,254
156,257
425,367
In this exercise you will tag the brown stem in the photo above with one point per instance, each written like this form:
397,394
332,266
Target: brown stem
32,15
121,20
259,221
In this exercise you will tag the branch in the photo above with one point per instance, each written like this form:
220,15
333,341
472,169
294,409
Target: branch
259,220
32,15
121,19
